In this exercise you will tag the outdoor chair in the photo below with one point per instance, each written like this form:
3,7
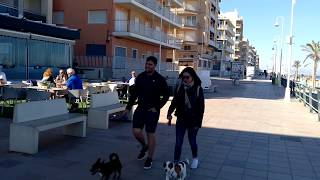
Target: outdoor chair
9,97
78,96
35,95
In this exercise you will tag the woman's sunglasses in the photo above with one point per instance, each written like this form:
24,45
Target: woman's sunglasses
186,77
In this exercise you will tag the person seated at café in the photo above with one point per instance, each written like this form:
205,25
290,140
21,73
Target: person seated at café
73,82
132,82
122,88
3,78
48,76
61,79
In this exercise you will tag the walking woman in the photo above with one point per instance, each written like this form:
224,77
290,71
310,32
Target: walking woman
188,103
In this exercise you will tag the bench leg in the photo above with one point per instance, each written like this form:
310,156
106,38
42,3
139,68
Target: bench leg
130,115
23,139
98,119
76,129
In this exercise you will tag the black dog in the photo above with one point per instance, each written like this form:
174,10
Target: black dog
105,170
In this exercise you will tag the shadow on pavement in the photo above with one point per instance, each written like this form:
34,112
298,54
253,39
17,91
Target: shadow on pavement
223,154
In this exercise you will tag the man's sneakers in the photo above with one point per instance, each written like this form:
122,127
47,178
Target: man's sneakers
148,163
195,163
142,153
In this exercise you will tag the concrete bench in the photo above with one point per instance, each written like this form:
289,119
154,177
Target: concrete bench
33,117
101,107
212,89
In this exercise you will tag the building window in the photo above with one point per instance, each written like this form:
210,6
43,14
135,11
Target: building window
211,36
191,20
187,48
96,50
120,51
134,53
41,54
58,17
97,17
143,56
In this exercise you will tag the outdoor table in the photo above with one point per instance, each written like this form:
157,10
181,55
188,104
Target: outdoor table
98,86
57,91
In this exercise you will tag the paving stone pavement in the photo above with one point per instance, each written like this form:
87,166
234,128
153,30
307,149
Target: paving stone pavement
249,133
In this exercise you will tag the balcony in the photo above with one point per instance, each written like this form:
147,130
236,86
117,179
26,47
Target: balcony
154,8
227,58
213,44
13,11
206,56
189,24
227,29
177,3
189,9
226,38
139,31
230,40
229,50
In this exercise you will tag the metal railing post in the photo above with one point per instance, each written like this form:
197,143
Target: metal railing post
318,97
304,96
310,100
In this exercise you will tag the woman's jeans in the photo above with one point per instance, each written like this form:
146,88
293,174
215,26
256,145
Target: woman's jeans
192,136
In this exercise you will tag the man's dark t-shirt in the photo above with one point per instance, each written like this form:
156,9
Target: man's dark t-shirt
150,90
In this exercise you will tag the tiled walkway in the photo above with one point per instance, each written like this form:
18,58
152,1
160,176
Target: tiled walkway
248,133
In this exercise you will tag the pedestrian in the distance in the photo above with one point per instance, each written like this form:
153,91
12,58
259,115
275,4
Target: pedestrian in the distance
188,103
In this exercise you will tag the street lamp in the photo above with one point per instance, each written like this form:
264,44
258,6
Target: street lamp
160,46
287,96
275,50
277,24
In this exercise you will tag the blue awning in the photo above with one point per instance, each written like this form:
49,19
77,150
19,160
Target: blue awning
25,25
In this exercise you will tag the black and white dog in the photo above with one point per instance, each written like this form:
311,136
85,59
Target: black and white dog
105,169
176,170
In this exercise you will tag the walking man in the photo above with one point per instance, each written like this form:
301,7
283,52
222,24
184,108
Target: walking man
152,93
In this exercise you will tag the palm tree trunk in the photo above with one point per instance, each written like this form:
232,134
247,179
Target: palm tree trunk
314,73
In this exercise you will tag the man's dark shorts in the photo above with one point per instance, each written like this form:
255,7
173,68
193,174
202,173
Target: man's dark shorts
147,119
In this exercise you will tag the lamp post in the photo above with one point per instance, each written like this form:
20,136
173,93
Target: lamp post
275,50
287,96
160,46
275,53
277,24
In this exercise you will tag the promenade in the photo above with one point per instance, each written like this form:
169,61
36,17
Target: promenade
249,133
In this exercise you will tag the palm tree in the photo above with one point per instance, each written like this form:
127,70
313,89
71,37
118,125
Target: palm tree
313,50
297,65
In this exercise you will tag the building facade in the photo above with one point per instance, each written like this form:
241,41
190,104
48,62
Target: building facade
198,33
226,44
237,22
118,35
29,43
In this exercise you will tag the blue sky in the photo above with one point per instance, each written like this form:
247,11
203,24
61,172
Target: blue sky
259,18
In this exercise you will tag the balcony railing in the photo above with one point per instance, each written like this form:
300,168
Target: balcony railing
180,2
189,23
146,32
190,7
132,64
13,11
93,61
230,50
156,7
227,28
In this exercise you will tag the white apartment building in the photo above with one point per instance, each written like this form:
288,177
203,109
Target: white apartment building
198,33
226,43
237,22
